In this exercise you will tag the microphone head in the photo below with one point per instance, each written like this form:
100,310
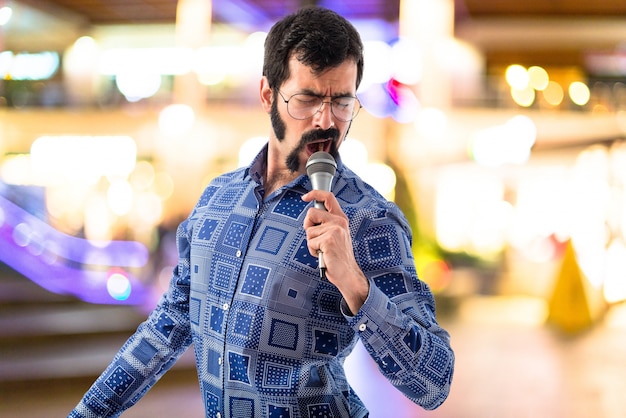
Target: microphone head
321,161
321,168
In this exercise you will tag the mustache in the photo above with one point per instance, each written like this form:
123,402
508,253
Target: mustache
293,161
310,136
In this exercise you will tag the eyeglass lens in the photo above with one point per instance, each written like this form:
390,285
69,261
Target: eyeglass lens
304,106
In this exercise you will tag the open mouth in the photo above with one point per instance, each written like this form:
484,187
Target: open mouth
320,145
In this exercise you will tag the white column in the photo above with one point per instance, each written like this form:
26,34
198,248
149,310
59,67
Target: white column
193,28
428,24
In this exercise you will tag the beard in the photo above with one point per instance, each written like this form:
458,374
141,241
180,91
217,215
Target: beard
293,159
278,124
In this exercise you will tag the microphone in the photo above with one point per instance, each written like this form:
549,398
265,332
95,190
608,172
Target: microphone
321,168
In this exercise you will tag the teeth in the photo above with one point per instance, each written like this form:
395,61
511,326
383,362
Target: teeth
321,146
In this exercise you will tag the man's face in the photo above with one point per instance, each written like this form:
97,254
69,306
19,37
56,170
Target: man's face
298,139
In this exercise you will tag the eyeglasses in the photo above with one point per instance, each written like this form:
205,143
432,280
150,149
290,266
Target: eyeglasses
303,106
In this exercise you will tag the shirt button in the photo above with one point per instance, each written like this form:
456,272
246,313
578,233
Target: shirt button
238,253
362,327
225,306
219,361
218,415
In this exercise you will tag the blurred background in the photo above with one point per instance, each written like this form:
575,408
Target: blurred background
497,126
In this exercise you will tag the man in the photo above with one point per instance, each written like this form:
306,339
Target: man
269,334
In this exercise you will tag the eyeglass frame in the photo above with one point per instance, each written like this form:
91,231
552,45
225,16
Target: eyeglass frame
329,102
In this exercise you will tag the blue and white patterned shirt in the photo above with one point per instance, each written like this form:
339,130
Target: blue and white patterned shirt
270,337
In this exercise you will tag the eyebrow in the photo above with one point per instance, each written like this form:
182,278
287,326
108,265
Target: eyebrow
334,96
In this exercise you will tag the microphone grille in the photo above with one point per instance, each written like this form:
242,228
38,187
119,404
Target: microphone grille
321,161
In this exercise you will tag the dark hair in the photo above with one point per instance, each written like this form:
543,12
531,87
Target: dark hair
319,38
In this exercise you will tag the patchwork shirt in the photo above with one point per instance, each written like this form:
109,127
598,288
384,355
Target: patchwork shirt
270,336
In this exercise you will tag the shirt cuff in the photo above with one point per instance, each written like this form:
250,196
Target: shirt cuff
374,310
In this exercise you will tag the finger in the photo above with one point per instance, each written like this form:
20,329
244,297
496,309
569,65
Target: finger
315,217
313,245
319,195
327,198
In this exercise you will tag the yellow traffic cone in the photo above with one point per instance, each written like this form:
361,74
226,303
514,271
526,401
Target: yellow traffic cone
569,307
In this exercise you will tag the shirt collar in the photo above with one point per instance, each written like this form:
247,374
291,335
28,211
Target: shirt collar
259,164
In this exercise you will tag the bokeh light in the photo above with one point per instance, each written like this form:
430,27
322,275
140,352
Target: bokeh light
142,176
538,78
553,93
163,185
510,143
406,62
149,208
517,77
470,213
523,97
205,64
118,285
249,149
22,234
378,53
5,15
431,123
137,85
382,178
28,66
354,154
81,159
579,93
176,119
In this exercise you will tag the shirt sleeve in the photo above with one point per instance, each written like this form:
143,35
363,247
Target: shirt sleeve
397,322
150,352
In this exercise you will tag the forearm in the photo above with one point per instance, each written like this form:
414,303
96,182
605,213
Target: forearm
139,364
412,351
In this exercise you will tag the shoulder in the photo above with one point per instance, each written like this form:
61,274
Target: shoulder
231,179
360,201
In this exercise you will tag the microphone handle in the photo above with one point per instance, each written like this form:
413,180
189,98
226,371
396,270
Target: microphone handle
320,254
320,264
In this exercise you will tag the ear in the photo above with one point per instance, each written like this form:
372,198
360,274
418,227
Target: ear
266,94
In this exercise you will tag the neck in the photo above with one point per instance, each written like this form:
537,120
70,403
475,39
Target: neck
277,174
277,179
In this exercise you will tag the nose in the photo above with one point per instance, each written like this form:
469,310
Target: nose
324,116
